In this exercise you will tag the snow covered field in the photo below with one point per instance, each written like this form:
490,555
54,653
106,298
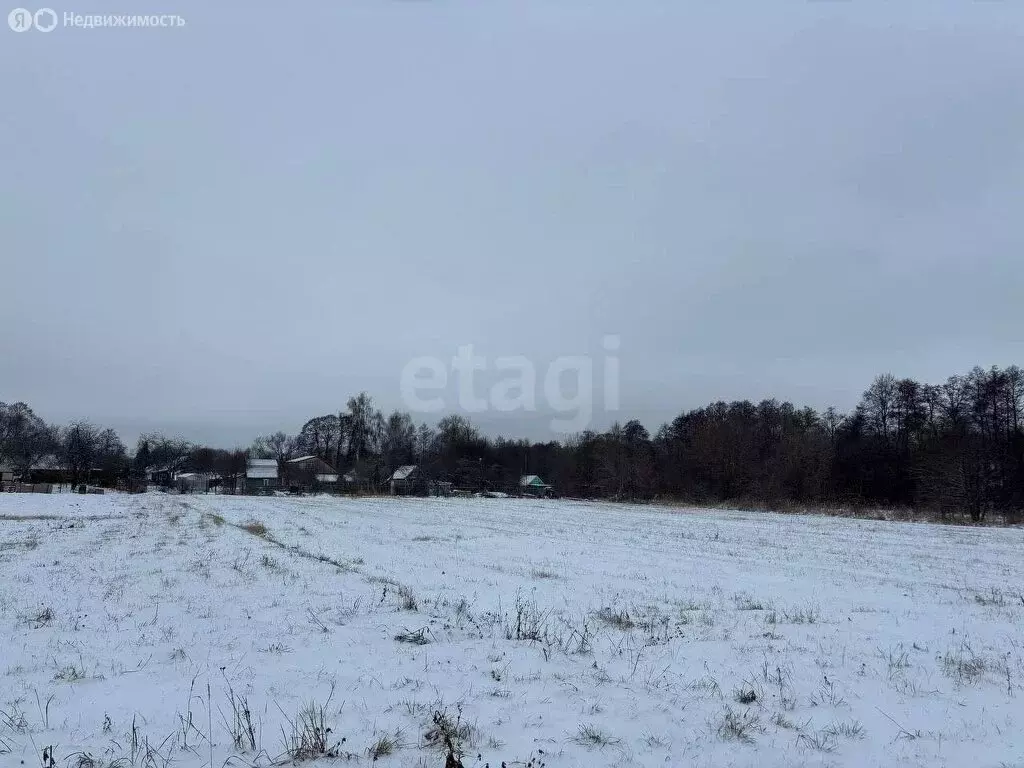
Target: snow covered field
564,633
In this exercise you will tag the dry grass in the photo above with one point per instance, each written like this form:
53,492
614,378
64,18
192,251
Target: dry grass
42,619
617,619
964,666
413,637
449,733
591,736
384,746
745,694
738,726
255,527
820,741
308,736
543,573
406,598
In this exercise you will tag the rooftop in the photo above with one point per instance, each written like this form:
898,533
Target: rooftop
402,473
532,480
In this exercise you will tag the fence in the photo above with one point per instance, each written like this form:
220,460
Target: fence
26,487
48,488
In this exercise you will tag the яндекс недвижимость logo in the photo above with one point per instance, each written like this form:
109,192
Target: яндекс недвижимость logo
22,19
46,20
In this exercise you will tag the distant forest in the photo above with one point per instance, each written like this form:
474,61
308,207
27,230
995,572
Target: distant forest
953,450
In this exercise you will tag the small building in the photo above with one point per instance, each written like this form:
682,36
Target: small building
309,473
532,485
195,482
161,476
48,470
407,481
6,474
260,476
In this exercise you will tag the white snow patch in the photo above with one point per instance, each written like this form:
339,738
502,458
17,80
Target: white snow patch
577,634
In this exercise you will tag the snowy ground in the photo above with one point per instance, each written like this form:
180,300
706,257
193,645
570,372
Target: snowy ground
570,634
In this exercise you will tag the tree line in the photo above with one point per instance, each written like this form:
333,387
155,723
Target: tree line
954,449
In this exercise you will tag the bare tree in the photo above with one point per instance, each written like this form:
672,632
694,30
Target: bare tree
361,421
111,453
170,454
832,420
24,437
321,436
79,442
426,444
399,440
879,404
230,465
278,446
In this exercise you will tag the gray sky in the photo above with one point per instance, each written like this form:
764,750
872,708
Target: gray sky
230,227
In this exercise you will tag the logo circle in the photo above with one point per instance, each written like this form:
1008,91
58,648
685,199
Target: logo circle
20,20
44,24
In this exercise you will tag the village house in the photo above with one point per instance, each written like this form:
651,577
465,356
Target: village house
195,482
48,470
161,476
407,481
532,485
309,473
260,476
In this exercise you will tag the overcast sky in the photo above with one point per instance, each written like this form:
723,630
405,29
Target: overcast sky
229,227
